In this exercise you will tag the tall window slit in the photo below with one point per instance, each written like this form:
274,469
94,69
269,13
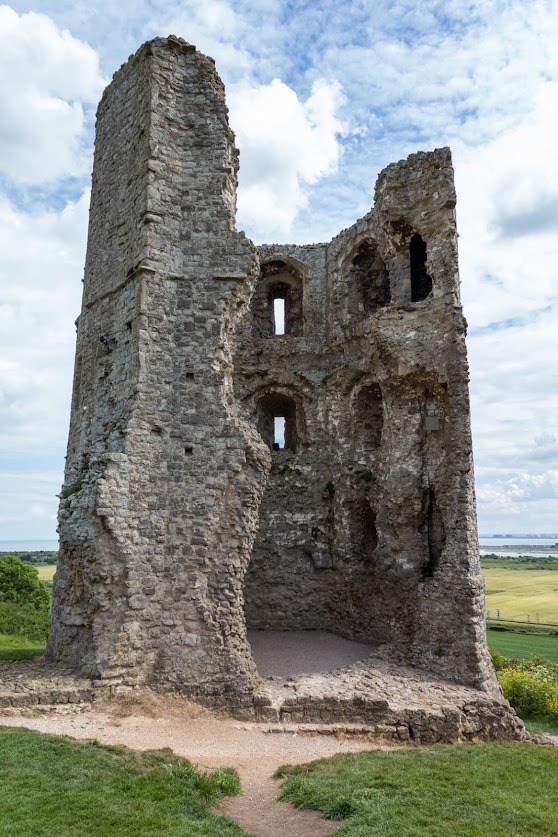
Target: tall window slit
279,432
279,315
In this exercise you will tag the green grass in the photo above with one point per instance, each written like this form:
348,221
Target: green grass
523,646
540,724
46,571
55,787
519,593
19,648
468,790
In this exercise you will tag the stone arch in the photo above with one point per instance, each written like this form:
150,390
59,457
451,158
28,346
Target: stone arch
271,403
368,281
280,279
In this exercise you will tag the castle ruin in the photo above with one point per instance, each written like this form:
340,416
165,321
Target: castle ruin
186,515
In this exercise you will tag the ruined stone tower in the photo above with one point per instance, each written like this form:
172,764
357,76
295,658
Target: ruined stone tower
180,523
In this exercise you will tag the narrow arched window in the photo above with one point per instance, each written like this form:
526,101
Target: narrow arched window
278,315
279,304
277,421
277,301
421,282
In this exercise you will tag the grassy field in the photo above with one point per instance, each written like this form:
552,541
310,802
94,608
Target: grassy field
521,592
55,787
46,571
470,790
523,646
19,648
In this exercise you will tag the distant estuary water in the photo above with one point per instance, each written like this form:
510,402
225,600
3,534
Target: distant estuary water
28,546
518,546
487,545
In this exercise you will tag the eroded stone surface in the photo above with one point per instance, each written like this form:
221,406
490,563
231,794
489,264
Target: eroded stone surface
180,520
27,685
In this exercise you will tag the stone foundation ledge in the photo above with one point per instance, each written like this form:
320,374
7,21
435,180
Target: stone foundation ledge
383,701
450,724
396,703
389,702
31,685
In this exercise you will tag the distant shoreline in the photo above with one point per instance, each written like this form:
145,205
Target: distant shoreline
24,545
523,548
519,537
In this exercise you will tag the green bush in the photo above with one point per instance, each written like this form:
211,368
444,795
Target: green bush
24,600
24,620
20,584
531,687
498,660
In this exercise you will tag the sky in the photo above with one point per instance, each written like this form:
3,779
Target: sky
322,96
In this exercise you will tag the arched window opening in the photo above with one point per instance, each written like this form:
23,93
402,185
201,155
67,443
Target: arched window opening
277,421
277,301
369,417
421,282
369,282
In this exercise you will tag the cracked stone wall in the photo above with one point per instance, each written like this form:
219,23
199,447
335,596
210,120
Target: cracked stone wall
180,521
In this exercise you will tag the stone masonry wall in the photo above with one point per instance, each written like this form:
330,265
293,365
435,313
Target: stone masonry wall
368,529
182,519
163,482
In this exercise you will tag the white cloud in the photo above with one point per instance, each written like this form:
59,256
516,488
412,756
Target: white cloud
40,299
286,145
509,271
48,77
507,504
214,27
28,503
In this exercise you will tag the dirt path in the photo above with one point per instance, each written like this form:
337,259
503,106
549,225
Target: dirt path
210,742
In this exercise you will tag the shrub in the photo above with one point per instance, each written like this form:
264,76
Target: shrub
498,660
24,600
531,687
24,620
20,584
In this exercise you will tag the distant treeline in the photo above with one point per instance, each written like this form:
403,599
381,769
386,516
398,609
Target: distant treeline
39,557
519,562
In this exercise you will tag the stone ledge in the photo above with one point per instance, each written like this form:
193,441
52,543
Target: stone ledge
372,698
